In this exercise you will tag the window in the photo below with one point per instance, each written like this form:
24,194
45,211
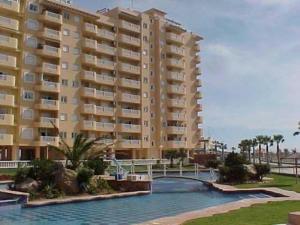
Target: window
146,123
146,109
63,134
152,101
151,33
65,48
64,82
63,99
75,84
63,117
145,38
27,114
74,118
151,59
145,25
27,133
76,51
145,52
145,80
76,35
76,67
152,87
28,95
31,41
32,24
74,101
145,66
64,65
66,15
146,138
30,59
29,77
152,115
77,19
152,143
66,32
151,73
145,94
74,134
151,20
33,7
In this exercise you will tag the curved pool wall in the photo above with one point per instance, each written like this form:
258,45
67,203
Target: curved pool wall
170,197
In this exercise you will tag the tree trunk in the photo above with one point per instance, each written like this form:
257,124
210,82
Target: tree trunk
249,154
259,153
267,152
278,157
253,155
171,162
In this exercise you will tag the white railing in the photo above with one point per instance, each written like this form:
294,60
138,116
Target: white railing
104,93
89,107
49,102
177,115
4,39
176,76
5,20
141,162
88,123
13,164
130,81
4,57
50,66
52,14
106,33
130,67
176,88
130,96
106,47
48,139
104,125
90,26
131,126
104,109
89,74
180,129
130,39
130,53
52,32
104,77
48,120
7,2
105,62
3,76
131,111
50,84
51,48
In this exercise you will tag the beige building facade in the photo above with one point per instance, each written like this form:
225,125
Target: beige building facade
129,77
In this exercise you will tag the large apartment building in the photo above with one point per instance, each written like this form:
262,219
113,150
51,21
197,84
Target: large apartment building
126,76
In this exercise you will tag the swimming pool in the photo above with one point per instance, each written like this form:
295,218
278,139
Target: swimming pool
125,211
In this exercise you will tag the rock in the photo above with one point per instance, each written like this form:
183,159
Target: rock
66,180
251,170
29,185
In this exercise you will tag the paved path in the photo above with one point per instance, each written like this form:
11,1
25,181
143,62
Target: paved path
181,218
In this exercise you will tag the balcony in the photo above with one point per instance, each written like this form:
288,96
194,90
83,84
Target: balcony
6,139
8,42
197,71
129,83
105,127
176,103
176,116
49,51
133,55
128,128
199,119
48,140
9,23
7,119
197,48
105,64
104,111
47,122
7,80
51,34
51,17
49,68
176,89
128,68
176,130
47,104
105,95
175,63
105,79
130,26
129,40
7,100
90,28
8,61
48,86
197,59
129,113
10,5
106,49
175,50
88,92
198,95
89,44
88,75
105,34
88,109
199,107
125,97
88,125
175,76
174,38
124,143
89,59
176,144
198,83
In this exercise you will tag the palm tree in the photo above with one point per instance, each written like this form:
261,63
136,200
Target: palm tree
83,148
267,141
278,138
245,146
171,154
253,143
260,141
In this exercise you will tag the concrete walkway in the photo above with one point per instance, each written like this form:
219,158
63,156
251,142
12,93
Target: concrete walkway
224,208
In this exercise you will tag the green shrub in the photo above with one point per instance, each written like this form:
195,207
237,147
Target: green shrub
212,163
234,159
84,176
103,185
21,175
98,165
43,171
51,192
261,170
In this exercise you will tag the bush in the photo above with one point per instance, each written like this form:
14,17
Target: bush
234,159
98,165
261,170
103,185
212,163
51,192
21,175
43,170
84,176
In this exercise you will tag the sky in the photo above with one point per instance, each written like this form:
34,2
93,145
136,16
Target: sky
250,63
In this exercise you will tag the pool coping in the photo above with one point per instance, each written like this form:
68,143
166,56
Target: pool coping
283,195
83,198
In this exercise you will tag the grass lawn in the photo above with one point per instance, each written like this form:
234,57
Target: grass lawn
261,214
280,181
8,172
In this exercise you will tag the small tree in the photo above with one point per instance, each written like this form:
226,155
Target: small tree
171,155
278,139
261,170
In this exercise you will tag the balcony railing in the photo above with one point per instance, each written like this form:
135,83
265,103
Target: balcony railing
7,119
130,40
91,28
176,103
174,38
176,129
7,100
104,63
106,49
130,26
104,110
106,34
105,126
125,67
131,128
175,76
176,89
10,5
8,61
130,83
8,42
48,104
105,78
9,23
129,54
52,17
52,34
7,80
49,140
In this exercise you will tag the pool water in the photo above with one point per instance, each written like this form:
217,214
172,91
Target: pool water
164,201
